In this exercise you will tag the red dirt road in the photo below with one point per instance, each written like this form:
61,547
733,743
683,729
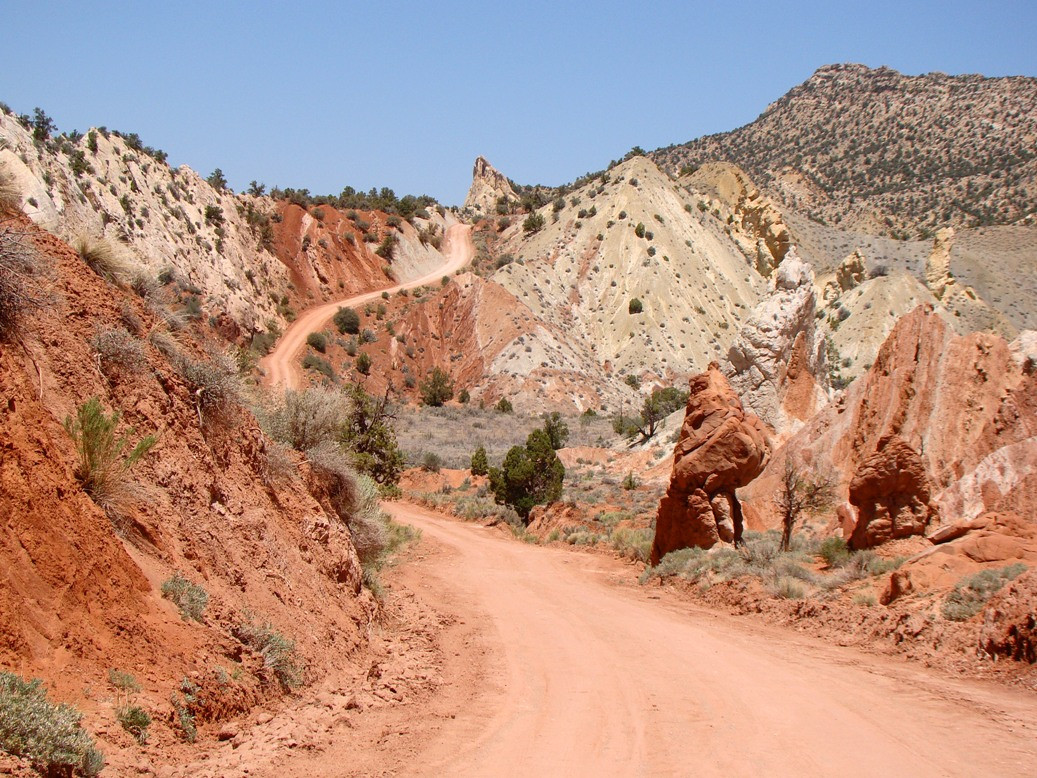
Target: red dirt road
589,674
282,368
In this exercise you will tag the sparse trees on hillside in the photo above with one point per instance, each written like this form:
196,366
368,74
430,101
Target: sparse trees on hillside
217,180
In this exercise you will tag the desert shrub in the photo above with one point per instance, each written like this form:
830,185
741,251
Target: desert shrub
105,259
353,497
787,588
322,366
123,681
834,551
437,388
347,321
214,384
10,194
363,363
972,592
318,341
135,720
190,598
103,466
183,701
504,405
20,273
278,652
431,462
47,734
635,306
117,351
629,482
533,223
480,465
305,419
632,543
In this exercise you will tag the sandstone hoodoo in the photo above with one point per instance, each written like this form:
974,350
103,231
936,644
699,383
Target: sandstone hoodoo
891,494
721,448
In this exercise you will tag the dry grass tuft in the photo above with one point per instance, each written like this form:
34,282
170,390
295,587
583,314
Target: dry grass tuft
105,258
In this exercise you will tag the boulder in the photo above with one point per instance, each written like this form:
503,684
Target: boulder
891,494
721,448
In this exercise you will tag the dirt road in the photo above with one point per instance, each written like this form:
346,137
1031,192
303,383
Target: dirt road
590,674
282,368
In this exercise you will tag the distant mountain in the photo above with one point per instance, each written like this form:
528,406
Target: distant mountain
882,152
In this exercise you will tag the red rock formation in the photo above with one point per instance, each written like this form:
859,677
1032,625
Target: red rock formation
1010,622
891,494
721,448
965,404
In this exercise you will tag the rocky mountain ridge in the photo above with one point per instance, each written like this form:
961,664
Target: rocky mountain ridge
887,153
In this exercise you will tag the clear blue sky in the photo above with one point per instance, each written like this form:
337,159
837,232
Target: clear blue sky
320,94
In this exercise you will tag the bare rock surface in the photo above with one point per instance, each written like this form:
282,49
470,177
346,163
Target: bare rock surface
488,186
777,363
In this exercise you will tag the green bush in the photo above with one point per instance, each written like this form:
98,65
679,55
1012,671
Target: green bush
363,363
183,709
369,435
190,598
317,341
347,321
48,735
480,465
528,476
135,720
834,551
437,388
533,223
322,366
103,467
635,306
971,593
431,462
504,405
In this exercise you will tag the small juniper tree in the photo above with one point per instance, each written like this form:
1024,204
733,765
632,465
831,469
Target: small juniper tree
480,465
437,388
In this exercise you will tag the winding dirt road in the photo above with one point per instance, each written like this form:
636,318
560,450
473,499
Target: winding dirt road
282,368
590,674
